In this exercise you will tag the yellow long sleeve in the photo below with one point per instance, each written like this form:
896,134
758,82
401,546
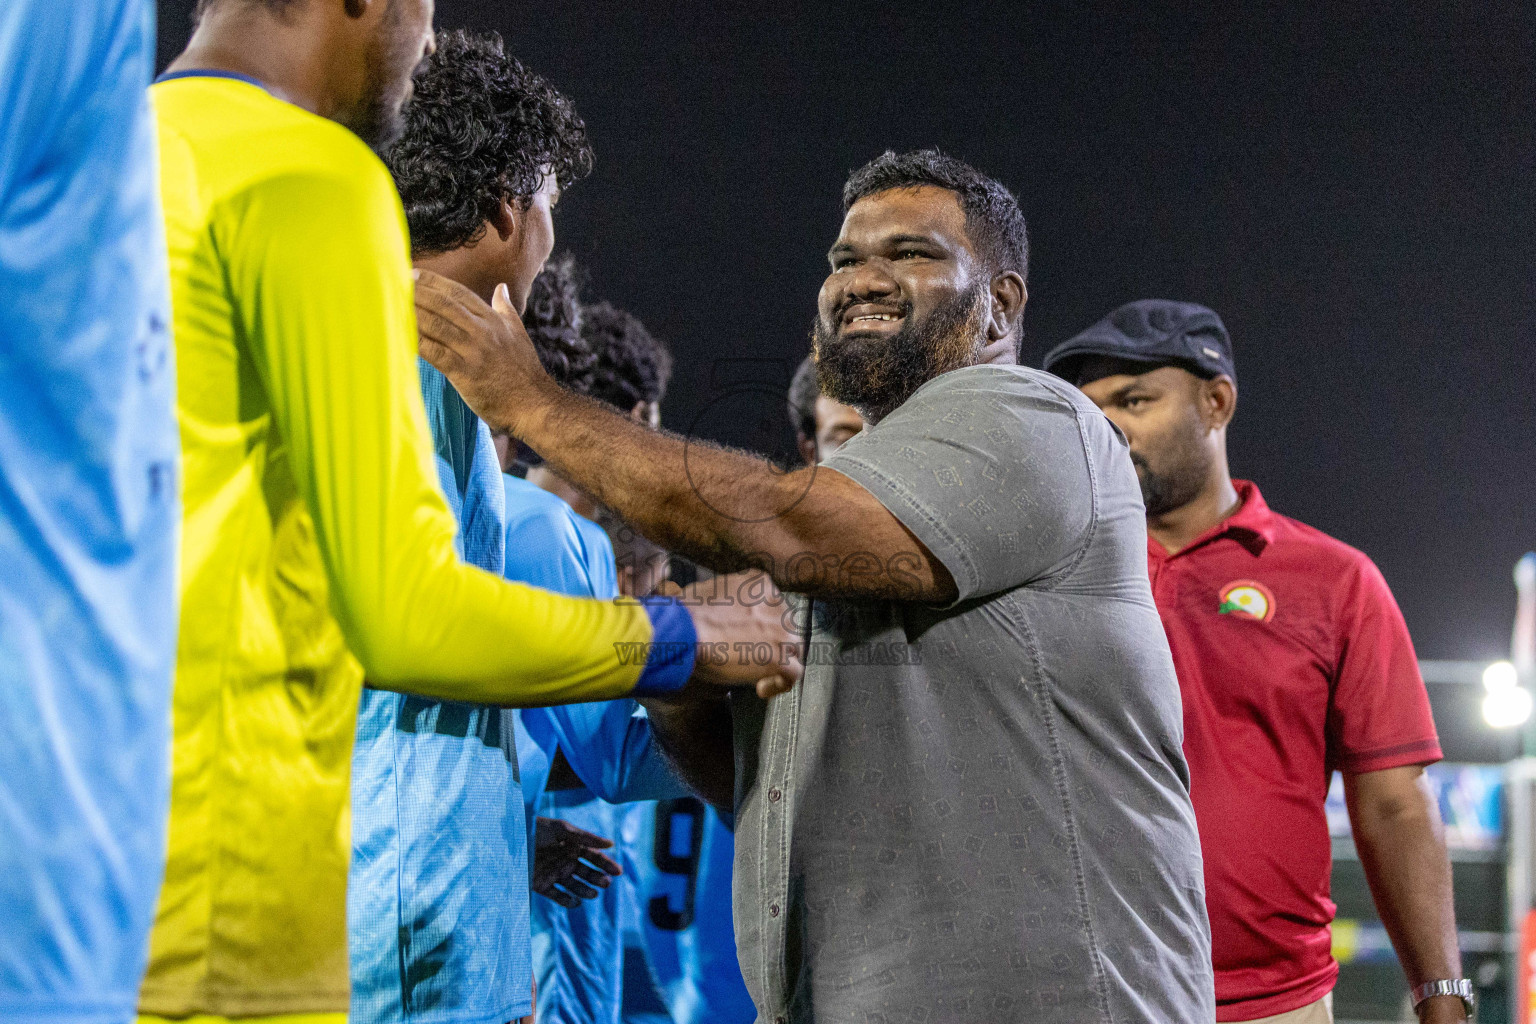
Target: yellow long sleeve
315,546
333,339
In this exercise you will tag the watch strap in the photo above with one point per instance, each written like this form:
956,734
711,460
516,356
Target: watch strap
1459,987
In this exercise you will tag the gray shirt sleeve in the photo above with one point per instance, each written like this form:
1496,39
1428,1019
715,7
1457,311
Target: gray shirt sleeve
989,467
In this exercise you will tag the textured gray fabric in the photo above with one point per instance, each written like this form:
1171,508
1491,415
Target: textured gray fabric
981,812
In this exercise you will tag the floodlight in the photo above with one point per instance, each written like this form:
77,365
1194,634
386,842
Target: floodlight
1501,675
1507,707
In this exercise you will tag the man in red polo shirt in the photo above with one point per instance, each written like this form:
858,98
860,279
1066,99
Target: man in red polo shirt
1294,662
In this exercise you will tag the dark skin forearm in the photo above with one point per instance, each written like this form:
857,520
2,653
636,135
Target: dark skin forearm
812,530
1401,841
658,483
695,735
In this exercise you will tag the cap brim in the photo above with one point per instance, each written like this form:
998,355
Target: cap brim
1068,364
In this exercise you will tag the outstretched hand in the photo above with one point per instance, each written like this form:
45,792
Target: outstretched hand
746,635
483,350
568,865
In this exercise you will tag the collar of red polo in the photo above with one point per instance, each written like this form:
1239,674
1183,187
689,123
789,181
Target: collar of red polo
1252,525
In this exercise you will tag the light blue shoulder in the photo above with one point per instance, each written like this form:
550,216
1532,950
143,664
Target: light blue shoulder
544,546
529,504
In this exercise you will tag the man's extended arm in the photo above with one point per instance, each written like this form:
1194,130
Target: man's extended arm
814,531
1402,847
331,341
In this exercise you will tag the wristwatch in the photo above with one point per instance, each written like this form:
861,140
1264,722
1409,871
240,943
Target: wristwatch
1461,988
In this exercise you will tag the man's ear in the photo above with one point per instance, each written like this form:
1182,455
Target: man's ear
1218,401
807,446
506,220
1008,297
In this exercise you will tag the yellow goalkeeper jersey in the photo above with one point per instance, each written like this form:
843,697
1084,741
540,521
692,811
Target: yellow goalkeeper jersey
316,546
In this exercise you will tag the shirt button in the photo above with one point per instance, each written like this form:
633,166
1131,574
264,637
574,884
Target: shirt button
775,795
780,1019
773,910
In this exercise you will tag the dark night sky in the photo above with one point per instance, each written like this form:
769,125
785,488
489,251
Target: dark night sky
1352,192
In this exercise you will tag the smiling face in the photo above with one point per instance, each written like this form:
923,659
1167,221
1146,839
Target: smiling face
907,299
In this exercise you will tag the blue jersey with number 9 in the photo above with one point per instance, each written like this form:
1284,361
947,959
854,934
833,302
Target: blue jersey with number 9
681,852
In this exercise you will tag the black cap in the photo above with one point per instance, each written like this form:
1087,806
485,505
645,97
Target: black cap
1152,331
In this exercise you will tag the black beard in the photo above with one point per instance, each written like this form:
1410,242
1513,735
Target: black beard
379,119
377,124
876,376
1164,492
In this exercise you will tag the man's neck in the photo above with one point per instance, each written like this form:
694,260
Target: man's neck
1178,528
290,60
461,265
580,501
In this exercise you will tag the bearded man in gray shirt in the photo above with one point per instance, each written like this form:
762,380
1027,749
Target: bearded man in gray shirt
974,806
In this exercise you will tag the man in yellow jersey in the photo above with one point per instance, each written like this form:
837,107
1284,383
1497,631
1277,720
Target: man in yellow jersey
317,547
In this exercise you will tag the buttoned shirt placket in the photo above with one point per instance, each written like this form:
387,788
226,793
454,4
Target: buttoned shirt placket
775,824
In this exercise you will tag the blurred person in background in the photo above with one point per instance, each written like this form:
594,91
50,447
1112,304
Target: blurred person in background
1294,662
578,760
88,511
822,424
580,952
631,374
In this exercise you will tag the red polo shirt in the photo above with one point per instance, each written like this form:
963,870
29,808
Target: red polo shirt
1294,661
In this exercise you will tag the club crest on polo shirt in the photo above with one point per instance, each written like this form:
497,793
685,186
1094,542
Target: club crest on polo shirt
1247,599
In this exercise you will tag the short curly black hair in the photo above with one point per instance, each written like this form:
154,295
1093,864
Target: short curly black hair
632,365
992,215
482,129
804,389
554,321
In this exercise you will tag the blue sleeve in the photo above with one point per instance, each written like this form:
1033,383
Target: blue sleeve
608,743
674,646
610,746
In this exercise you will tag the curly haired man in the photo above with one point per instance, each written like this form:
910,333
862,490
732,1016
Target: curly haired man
437,899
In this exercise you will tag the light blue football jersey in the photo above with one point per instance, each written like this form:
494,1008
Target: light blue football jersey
549,546
679,863
437,901
89,510
546,548
579,954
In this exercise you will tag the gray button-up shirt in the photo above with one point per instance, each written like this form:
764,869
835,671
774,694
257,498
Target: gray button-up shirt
981,812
